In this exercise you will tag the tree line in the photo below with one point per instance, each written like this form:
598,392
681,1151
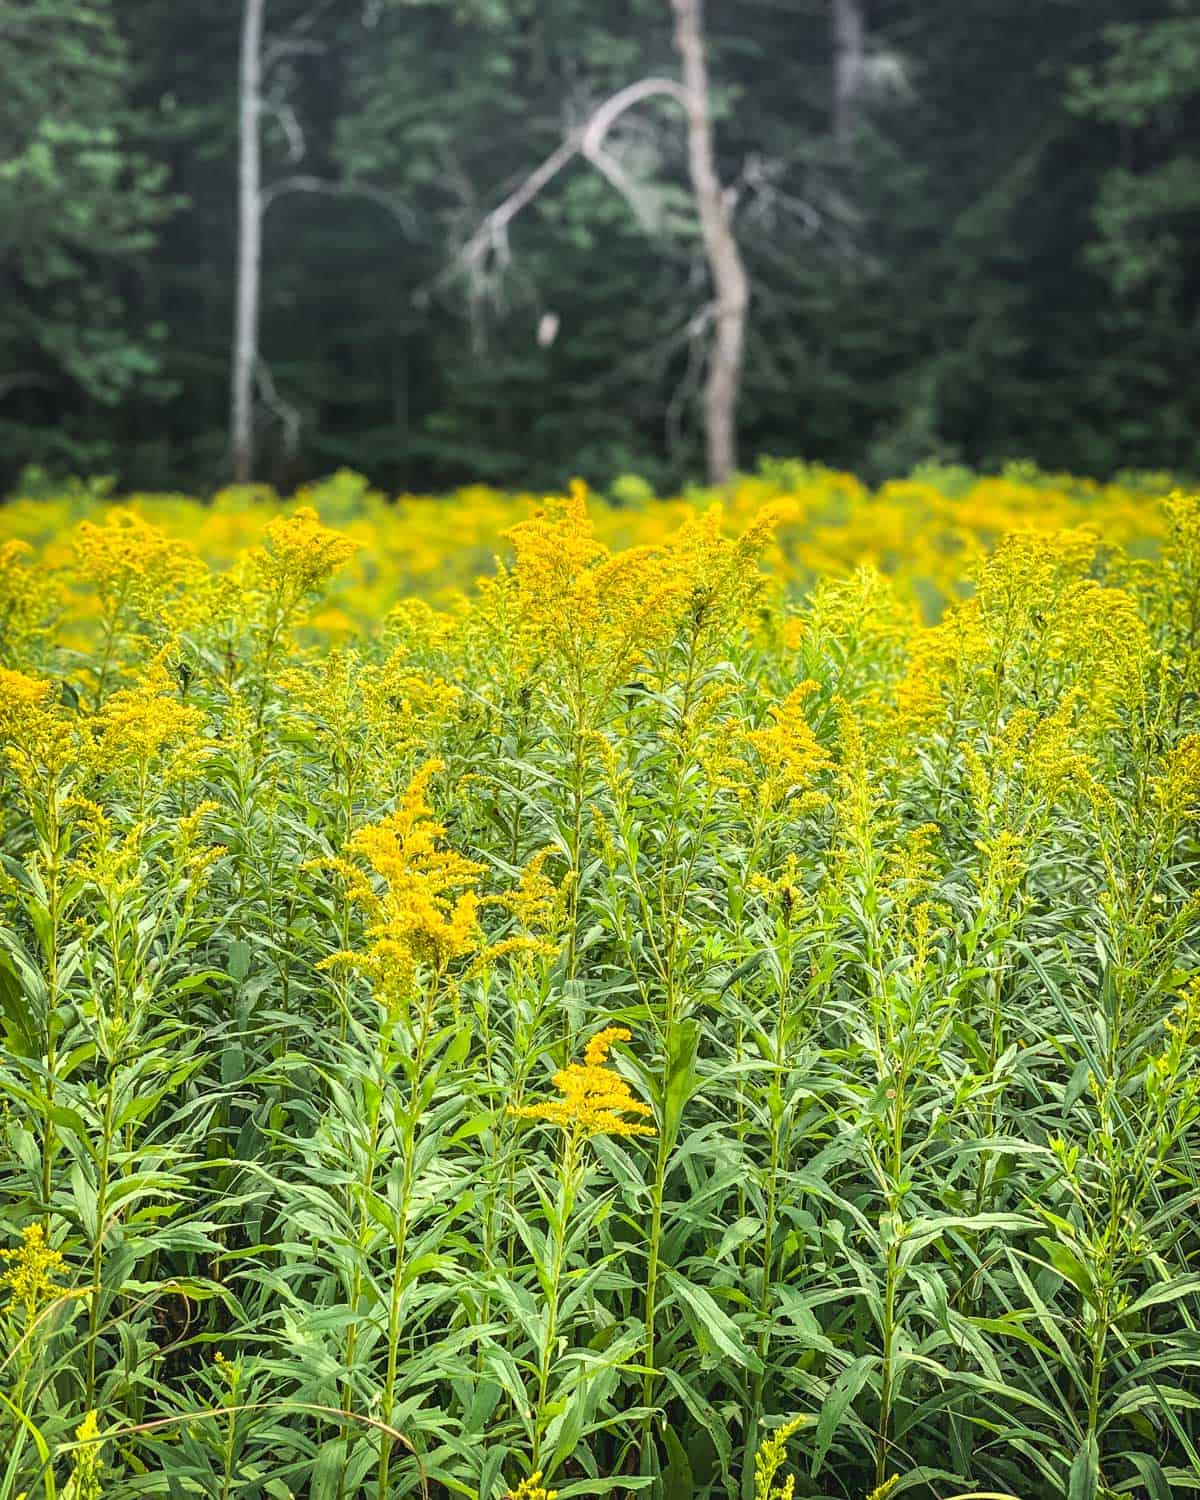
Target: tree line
442,240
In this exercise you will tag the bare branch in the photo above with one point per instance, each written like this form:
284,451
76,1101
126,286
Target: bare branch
603,119
285,117
285,46
331,188
287,414
696,336
490,239
21,380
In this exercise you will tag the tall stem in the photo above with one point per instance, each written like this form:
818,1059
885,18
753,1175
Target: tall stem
249,254
98,1240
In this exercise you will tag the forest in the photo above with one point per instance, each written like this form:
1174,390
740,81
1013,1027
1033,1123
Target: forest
964,228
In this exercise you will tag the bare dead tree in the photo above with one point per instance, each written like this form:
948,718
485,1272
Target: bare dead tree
849,66
731,286
489,242
485,255
249,246
249,374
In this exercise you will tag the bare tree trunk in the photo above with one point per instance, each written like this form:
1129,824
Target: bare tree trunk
849,66
731,287
249,251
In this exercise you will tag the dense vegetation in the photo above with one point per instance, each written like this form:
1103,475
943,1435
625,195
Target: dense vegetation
668,1001
990,263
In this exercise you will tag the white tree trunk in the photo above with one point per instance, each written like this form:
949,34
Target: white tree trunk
249,246
731,287
849,66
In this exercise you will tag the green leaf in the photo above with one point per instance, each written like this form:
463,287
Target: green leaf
710,1323
678,1483
1084,1478
1155,1481
837,1404
681,1078
327,1470
489,1470
1069,1267
1167,1291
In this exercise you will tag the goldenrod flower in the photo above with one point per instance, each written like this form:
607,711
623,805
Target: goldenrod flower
537,902
594,613
126,560
37,736
422,906
147,724
769,1458
595,1099
789,751
531,1489
26,595
299,554
33,1267
84,1483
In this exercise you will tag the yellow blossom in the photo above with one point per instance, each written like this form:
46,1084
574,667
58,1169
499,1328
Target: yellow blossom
39,739
298,554
148,725
537,902
419,898
27,596
594,1098
127,560
789,751
589,613
531,1489
769,1458
32,1268
84,1483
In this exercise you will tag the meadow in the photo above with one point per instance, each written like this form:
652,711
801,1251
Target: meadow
505,996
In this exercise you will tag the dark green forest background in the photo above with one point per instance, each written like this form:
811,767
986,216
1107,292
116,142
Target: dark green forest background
998,262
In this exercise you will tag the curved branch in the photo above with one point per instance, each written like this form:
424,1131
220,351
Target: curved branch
21,380
330,187
289,417
587,141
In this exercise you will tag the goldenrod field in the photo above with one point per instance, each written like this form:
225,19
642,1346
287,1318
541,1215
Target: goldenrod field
710,1007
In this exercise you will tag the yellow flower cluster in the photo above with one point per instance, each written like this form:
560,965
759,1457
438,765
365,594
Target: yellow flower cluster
420,899
35,734
32,1269
531,1489
147,726
789,752
1178,787
298,554
595,1099
769,1458
27,596
126,559
537,902
1039,625
84,1483
591,613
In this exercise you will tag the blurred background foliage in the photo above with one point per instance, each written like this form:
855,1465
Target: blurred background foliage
996,265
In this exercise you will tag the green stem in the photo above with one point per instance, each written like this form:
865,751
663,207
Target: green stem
886,1384
98,1242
